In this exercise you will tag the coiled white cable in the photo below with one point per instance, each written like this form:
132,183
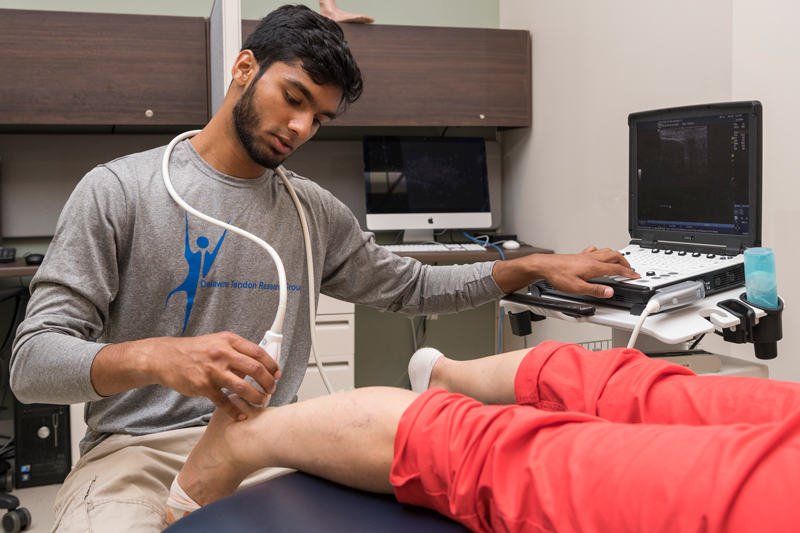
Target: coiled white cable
312,314
273,337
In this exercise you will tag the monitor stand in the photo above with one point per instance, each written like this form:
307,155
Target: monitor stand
414,236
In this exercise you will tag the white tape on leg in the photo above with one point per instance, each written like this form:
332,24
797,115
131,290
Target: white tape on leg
179,504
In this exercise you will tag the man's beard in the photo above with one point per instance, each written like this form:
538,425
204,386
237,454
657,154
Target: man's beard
245,120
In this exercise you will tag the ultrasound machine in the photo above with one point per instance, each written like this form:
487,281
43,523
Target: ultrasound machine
694,208
695,199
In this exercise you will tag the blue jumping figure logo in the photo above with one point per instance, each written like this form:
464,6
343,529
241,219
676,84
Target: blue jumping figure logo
198,261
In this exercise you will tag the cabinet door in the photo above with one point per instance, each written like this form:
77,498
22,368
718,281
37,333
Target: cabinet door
428,76
332,306
102,69
340,373
335,335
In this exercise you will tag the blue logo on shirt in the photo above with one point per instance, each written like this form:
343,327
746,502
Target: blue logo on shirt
197,260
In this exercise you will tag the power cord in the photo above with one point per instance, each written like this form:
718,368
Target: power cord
486,243
695,343
502,258
500,334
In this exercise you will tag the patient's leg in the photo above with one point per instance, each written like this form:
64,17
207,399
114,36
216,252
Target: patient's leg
347,438
623,385
619,385
513,468
490,380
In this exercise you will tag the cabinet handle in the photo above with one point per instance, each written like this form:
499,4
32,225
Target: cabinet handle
329,366
333,325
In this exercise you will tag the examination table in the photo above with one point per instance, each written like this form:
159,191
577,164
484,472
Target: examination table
301,502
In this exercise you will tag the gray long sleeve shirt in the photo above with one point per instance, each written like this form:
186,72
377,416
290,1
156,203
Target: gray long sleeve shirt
127,263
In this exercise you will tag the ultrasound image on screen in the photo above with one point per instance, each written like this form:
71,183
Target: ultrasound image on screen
425,175
693,174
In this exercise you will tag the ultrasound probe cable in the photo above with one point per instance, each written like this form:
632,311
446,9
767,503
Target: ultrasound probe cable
273,337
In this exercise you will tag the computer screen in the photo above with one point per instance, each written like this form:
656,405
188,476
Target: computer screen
693,174
420,183
697,171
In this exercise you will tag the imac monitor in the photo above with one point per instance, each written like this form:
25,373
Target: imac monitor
426,183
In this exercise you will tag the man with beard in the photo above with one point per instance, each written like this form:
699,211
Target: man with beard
169,344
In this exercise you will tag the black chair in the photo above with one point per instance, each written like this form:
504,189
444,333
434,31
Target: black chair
17,518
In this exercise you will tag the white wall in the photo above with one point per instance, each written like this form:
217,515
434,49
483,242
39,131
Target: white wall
593,64
766,68
565,179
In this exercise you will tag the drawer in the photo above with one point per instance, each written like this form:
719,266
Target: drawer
332,306
336,335
340,373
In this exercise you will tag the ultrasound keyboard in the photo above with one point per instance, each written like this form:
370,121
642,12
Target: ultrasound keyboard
434,247
661,268
656,264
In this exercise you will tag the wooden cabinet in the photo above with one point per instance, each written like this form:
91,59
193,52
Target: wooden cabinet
85,69
428,76
102,69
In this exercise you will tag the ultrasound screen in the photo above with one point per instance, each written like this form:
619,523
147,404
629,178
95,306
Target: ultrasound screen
693,174
425,175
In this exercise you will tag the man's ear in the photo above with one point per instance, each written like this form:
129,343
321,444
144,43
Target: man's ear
244,68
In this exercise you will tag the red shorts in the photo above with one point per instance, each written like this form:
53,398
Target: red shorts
610,441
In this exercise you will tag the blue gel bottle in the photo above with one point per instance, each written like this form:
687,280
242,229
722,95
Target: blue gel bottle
759,275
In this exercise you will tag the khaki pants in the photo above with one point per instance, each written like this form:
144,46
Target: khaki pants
122,484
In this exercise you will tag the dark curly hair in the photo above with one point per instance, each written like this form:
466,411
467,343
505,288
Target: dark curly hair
295,32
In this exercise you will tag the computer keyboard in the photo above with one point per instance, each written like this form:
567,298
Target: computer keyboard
438,247
7,254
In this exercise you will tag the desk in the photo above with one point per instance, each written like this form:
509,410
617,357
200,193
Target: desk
17,268
664,332
490,254
669,329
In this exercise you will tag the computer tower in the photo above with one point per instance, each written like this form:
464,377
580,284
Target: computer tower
41,433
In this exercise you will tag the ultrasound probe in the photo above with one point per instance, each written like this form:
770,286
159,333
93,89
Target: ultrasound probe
273,337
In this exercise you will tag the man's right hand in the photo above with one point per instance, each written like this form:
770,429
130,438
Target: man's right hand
567,273
193,366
